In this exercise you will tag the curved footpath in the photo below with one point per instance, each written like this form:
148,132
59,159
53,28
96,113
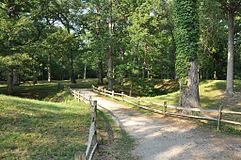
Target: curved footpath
160,138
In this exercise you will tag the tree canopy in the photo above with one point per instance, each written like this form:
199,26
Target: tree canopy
123,41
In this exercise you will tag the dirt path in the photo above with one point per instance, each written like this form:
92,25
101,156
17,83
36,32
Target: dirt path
160,138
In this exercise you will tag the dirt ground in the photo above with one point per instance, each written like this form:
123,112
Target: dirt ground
160,138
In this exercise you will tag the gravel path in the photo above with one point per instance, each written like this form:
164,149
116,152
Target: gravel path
160,138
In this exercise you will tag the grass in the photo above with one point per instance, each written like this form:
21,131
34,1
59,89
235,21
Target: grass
55,126
44,90
212,97
31,129
148,87
115,143
211,94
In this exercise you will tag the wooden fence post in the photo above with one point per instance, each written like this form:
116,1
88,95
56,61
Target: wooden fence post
94,118
104,91
94,111
59,85
139,100
219,117
113,94
79,96
90,100
122,96
165,107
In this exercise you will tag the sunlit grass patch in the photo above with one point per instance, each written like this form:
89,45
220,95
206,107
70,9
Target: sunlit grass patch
31,129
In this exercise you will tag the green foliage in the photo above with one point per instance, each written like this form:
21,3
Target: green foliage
74,33
186,35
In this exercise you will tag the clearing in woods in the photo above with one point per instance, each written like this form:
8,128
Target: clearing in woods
159,138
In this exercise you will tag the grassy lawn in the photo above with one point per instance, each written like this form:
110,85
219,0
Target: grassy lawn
211,95
31,129
55,126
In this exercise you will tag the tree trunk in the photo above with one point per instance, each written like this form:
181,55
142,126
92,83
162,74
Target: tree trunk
100,73
34,76
110,55
49,68
10,80
122,51
72,77
143,72
173,51
15,77
131,87
189,97
229,87
110,69
61,71
85,71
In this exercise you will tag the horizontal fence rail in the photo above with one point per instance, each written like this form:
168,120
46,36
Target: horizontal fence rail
166,109
92,138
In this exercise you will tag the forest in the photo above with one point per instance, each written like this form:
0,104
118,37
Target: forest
181,52
118,40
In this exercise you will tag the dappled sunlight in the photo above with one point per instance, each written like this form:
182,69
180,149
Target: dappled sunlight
160,137
172,152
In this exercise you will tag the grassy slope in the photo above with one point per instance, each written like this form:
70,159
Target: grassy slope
31,129
211,95
43,89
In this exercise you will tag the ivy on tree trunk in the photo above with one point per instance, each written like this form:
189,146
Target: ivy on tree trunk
187,36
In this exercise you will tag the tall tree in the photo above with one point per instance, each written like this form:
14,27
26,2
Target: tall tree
187,37
110,74
230,7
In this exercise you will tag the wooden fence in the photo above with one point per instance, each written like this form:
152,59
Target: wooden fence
172,110
92,138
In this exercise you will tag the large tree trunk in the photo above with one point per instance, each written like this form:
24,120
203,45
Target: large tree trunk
187,37
10,80
110,54
229,87
189,96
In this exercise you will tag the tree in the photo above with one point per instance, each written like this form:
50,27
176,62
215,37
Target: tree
187,37
230,7
18,31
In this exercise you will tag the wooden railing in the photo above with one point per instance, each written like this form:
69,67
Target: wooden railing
92,138
171,110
